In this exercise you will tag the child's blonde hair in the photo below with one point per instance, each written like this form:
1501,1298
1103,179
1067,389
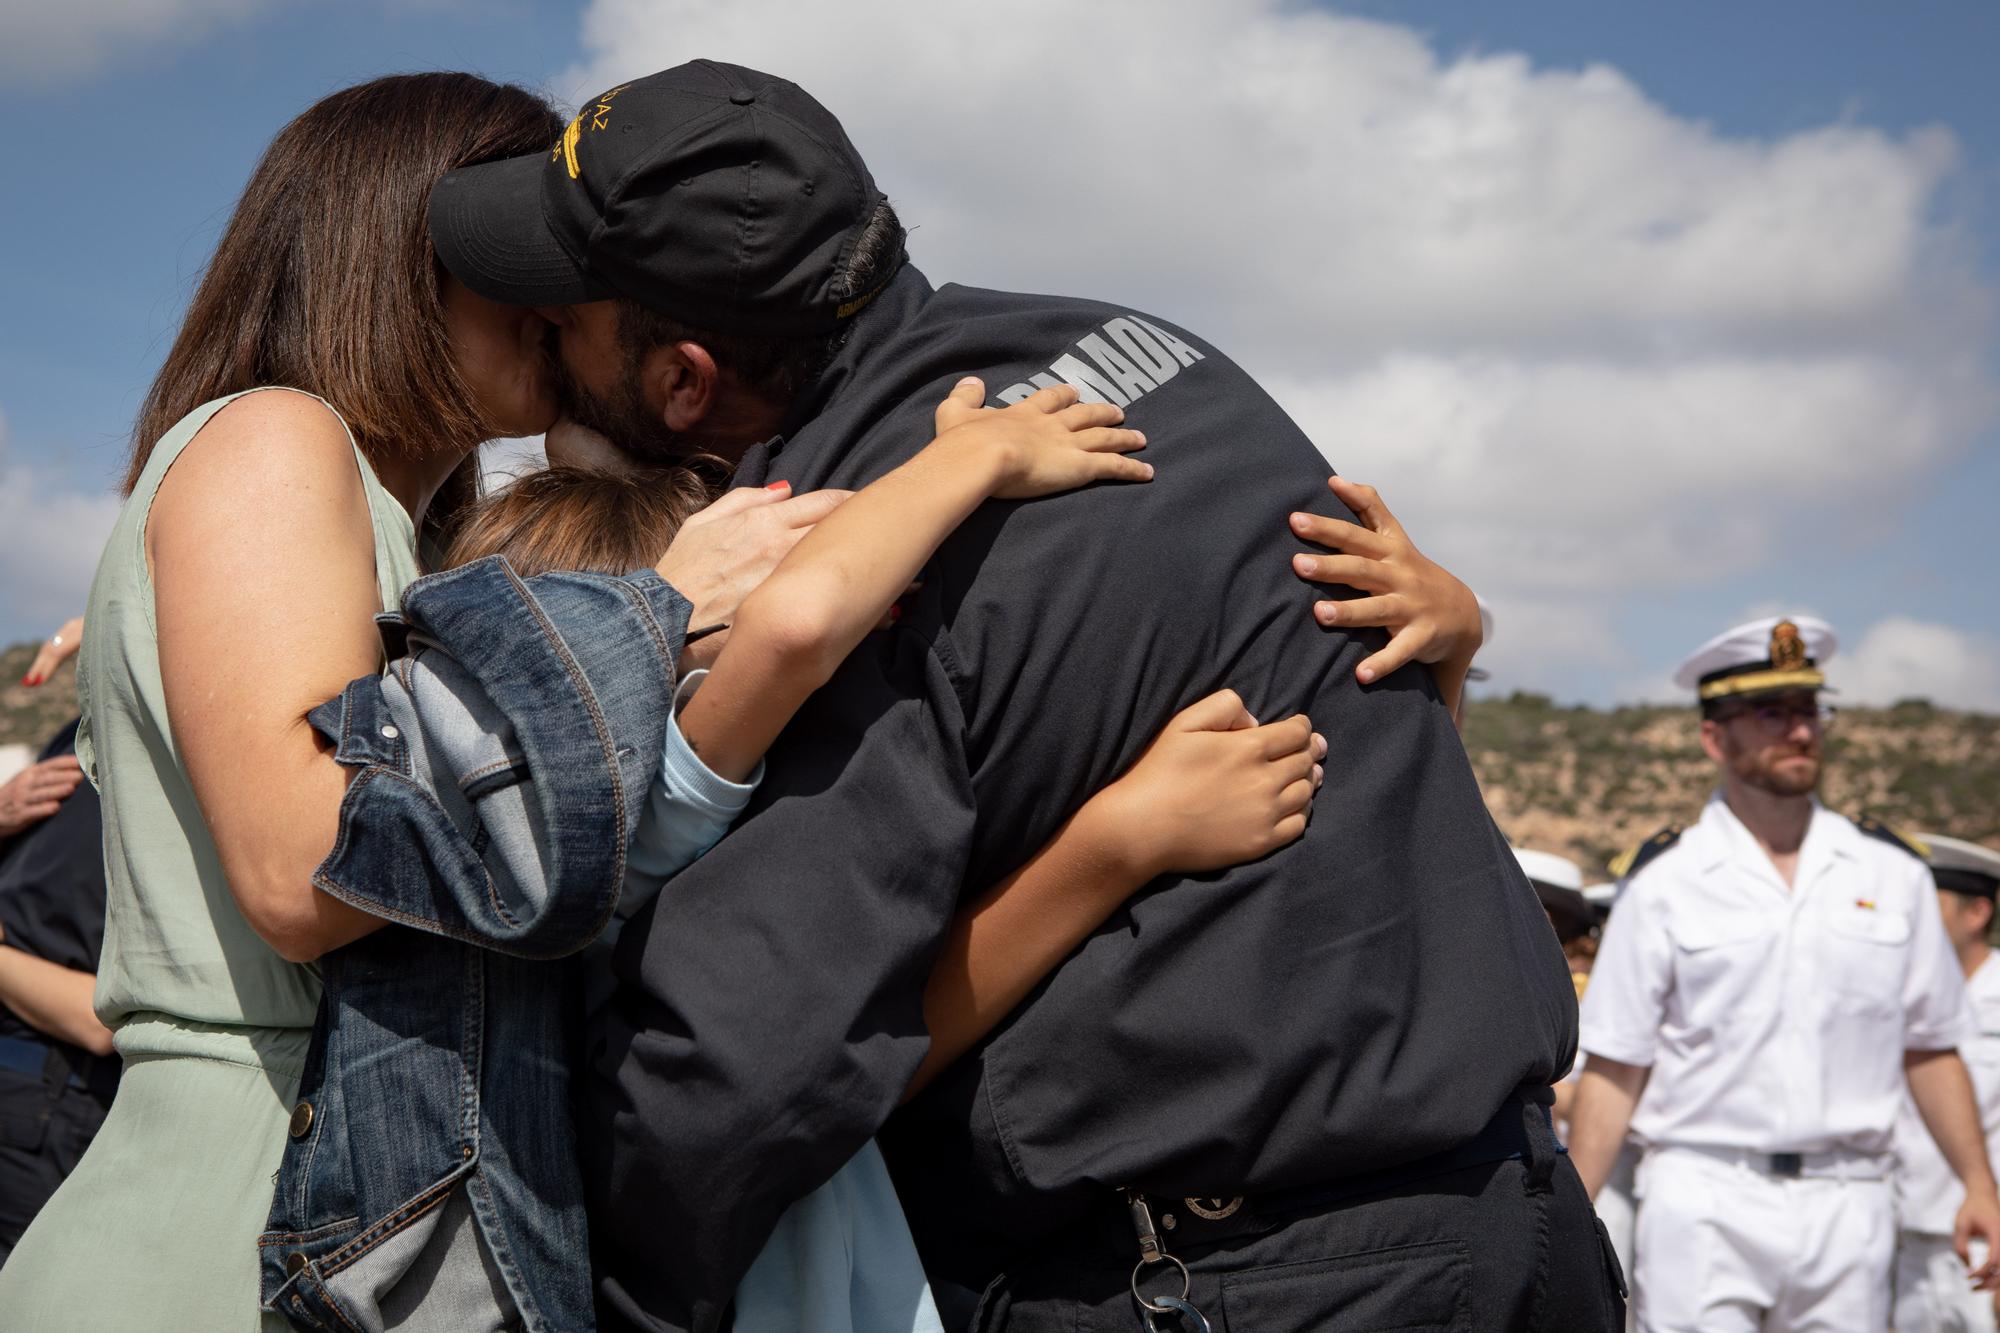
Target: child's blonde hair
580,519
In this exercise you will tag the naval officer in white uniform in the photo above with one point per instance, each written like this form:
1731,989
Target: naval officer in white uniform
1932,1293
1770,982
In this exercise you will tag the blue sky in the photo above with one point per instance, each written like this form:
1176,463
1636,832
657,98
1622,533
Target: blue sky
140,142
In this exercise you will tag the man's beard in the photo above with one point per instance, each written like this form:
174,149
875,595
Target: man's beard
1759,769
623,418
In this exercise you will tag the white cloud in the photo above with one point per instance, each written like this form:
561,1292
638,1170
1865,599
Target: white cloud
41,42
503,462
50,538
1588,347
1901,658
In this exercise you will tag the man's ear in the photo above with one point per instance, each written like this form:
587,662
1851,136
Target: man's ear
682,384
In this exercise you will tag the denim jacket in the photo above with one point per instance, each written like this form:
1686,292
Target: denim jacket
432,1050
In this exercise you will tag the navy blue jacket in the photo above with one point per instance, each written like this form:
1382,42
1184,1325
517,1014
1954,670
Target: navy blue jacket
1366,996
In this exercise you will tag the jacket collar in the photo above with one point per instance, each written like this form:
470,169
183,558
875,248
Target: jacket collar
885,317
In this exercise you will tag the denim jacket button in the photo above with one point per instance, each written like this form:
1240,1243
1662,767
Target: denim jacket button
295,1263
302,1120
389,732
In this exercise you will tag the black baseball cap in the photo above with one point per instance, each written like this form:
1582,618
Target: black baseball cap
720,196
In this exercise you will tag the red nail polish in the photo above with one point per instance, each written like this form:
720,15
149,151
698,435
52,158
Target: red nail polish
779,486
895,610
27,680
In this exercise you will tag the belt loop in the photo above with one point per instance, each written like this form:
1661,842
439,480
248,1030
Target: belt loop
1540,1154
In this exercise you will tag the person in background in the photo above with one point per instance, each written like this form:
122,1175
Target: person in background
1559,886
1932,1294
57,1072
1616,1208
1770,985
55,650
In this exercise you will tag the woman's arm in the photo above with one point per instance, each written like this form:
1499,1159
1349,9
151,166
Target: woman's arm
51,998
841,579
263,565
1214,790
1432,617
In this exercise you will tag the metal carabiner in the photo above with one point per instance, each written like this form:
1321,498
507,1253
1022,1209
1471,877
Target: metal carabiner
1152,1307
1190,1319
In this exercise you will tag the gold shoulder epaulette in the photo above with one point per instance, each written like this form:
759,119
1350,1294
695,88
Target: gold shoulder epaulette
1627,863
1881,832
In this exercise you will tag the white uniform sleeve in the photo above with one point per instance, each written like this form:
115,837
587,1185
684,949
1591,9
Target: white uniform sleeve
688,809
1625,1002
1937,1014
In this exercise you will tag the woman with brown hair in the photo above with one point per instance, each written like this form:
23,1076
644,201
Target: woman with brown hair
329,383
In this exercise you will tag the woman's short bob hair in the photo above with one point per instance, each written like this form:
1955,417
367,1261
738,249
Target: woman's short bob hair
325,280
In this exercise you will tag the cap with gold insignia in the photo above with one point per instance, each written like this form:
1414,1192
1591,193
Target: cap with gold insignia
1558,883
1775,653
1961,866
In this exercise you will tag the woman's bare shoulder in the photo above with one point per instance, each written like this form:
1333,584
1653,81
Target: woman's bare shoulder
274,456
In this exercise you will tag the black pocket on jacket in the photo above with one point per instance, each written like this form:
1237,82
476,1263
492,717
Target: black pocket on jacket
1400,1290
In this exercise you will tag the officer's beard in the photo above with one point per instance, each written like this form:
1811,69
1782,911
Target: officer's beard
1783,769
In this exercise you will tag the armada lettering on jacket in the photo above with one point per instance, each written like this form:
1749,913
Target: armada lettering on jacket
1144,357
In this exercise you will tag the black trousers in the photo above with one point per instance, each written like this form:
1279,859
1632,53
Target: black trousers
1501,1246
46,1121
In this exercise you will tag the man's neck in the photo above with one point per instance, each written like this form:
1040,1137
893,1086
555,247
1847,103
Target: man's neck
1778,823
1973,956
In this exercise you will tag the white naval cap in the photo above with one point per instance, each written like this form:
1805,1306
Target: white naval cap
1558,872
1774,653
1601,896
1961,866
1558,884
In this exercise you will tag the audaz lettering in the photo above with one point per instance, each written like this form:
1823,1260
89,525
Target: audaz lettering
1129,358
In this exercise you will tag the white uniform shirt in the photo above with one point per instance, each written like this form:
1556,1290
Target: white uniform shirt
1927,1193
1774,1019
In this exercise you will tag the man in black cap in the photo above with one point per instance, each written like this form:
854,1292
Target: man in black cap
1317,1083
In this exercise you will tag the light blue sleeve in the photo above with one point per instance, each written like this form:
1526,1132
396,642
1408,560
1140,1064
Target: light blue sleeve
688,809
841,1260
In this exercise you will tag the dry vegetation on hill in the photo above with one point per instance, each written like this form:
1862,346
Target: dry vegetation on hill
1589,783
1581,781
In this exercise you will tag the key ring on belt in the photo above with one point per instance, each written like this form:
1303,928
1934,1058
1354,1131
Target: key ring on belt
1153,1254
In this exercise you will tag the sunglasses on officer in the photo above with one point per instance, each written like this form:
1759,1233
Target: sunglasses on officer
1778,717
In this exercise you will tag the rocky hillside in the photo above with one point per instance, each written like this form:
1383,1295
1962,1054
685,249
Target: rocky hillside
1589,783
1581,781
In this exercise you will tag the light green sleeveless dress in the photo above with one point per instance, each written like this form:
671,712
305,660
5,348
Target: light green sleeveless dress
158,1226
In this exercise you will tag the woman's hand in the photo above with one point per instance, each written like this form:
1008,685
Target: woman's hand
1431,617
57,649
727,549
36,792
1213,790
1047,442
